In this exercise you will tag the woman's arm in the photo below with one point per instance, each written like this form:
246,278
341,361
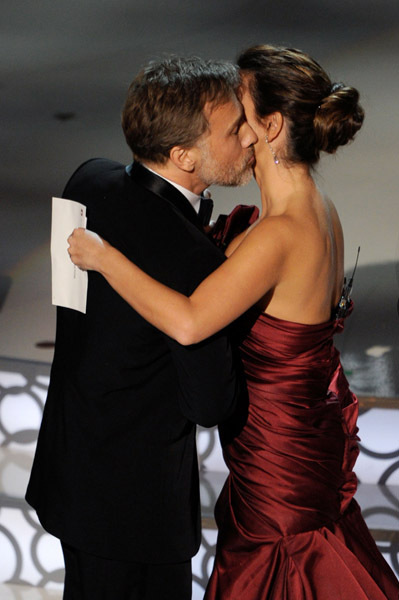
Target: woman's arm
254,268
235,242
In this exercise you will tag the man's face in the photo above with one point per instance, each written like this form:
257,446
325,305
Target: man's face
226,148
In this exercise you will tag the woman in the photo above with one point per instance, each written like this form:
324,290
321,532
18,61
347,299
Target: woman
288,525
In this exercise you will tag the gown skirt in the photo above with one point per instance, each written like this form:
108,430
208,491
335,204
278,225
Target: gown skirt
289,527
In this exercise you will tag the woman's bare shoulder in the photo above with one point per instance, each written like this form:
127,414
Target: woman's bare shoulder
272,228
332,210
239,238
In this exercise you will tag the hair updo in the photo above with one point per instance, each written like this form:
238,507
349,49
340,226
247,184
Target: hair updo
321,116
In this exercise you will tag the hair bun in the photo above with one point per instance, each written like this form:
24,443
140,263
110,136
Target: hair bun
336,86
338,117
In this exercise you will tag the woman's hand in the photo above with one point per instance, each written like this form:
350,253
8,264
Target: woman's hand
87,249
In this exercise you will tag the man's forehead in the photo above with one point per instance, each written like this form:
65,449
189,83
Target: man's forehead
230,107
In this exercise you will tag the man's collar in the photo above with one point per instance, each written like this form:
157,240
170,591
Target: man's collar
193,198
162,187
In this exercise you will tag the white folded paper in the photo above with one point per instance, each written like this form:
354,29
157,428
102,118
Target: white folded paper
69,283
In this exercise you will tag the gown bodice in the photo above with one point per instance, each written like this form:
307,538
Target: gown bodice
300,439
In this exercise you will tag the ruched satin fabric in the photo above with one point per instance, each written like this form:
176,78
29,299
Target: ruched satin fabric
289,528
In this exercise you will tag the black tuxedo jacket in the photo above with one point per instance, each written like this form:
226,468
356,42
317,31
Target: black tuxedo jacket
115,472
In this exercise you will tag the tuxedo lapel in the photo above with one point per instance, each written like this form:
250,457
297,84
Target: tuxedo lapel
205,211
159,186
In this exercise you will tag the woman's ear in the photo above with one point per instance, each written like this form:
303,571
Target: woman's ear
183,158
273,124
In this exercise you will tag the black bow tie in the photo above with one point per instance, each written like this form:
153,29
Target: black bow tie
205,211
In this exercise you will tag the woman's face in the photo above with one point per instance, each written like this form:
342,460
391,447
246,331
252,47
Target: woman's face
250,114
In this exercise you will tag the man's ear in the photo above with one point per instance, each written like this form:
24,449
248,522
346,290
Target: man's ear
274,124
183,158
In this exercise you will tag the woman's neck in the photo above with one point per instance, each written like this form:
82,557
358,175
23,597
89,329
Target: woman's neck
280,184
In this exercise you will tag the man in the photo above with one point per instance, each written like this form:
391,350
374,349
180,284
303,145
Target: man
115,474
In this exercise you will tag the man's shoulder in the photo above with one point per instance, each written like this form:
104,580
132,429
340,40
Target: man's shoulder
95,165
95,173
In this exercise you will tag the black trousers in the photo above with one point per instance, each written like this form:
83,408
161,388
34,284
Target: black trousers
89,577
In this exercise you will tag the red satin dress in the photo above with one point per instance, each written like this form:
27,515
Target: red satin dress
289,528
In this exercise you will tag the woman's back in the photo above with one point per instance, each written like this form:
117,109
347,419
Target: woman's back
311,279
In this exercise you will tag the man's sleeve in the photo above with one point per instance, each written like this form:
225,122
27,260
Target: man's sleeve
208,381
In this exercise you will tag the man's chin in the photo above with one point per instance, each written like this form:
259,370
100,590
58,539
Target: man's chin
238,181
244,178
232,179
248,175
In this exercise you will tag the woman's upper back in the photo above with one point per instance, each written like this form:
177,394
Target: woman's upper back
310,276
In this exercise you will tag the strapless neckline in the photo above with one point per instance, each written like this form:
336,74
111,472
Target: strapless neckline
290,323
334,321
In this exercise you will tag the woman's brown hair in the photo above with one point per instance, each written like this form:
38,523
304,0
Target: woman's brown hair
321,115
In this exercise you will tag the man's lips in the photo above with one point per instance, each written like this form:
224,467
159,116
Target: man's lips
251,160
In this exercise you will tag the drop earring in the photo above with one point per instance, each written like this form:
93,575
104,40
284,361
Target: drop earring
275,158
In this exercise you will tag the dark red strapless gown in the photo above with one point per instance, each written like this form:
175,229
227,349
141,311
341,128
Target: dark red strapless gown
289,528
